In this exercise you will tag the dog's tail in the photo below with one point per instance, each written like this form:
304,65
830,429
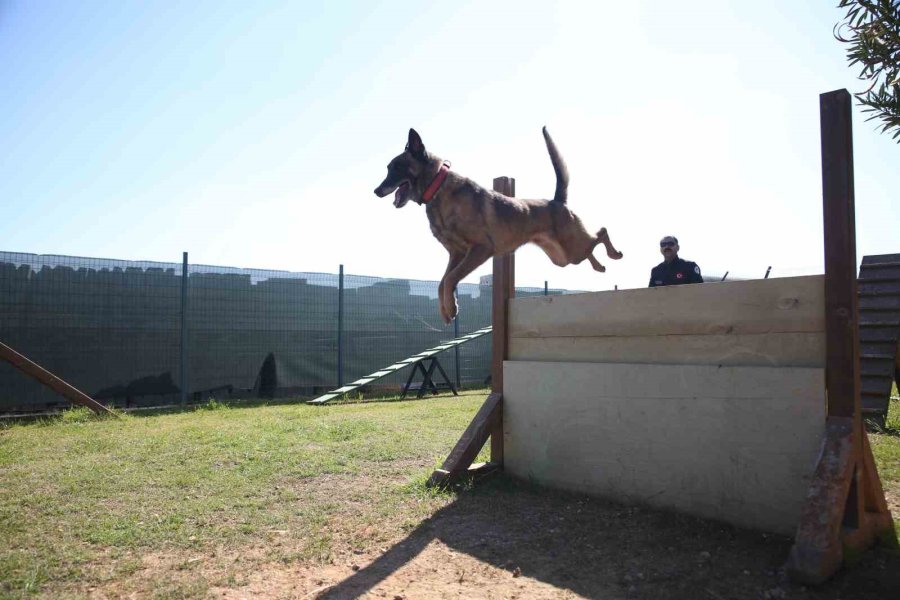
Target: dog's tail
559,165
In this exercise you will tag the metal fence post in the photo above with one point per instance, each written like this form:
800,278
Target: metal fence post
340,331
184,343
456,349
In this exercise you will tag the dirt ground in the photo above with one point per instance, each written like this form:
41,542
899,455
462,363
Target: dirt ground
505,539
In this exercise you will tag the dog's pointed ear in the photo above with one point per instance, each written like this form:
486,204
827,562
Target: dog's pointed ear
414,143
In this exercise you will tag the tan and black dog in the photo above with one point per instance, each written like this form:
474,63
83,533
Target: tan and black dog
475,224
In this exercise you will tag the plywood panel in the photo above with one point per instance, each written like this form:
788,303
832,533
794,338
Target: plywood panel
805,349
794,304
738,444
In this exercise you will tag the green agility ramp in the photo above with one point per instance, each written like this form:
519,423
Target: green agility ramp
399,365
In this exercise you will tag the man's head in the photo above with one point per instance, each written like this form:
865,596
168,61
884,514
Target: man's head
668,247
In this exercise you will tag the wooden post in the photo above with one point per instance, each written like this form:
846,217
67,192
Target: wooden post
845,506
504,288
839,220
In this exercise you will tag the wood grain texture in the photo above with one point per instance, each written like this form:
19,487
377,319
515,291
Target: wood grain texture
803,349
789,305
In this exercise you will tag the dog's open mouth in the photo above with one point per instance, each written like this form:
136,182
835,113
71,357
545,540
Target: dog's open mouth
401,196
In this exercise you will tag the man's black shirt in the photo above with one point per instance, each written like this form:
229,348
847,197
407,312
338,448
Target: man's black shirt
677,272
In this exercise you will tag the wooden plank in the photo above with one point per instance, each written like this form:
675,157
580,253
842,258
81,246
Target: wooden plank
881,274
879,366
880,319
881,259
880,348
42,375
775,349
879,288
875,408
471,442
789,305
877,385
879,268
875,334
888,303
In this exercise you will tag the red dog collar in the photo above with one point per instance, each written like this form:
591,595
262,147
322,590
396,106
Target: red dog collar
436,182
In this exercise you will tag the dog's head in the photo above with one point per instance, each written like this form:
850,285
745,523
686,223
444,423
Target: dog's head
404,171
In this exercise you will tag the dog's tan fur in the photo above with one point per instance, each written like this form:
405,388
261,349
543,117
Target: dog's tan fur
474,223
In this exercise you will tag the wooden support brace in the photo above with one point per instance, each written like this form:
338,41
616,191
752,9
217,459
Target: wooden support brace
50,380
817,550
845,507
471,442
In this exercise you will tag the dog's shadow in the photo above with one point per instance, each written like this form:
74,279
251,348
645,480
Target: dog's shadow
598,549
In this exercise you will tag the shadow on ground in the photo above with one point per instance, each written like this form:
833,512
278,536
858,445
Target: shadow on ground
597,549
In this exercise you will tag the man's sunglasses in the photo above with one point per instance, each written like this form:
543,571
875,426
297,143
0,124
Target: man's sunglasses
667,244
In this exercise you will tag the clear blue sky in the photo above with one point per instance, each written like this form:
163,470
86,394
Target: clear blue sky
251,134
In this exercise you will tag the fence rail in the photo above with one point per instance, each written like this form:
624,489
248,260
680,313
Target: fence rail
141,333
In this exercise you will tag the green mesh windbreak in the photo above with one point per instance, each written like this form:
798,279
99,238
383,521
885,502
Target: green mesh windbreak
112,328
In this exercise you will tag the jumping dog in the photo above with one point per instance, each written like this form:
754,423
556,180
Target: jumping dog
474,223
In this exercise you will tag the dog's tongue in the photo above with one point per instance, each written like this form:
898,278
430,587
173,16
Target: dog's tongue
401,193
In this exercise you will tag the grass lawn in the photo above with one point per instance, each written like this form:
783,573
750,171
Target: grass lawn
81,498
196,500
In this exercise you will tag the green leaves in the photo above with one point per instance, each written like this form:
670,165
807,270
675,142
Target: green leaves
871,29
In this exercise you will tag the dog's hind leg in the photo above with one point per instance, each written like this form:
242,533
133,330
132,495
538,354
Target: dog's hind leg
474,258
603,238
596,264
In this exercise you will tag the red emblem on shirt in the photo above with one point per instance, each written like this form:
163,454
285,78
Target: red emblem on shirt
679,275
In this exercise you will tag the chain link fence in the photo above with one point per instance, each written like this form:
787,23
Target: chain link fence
139,333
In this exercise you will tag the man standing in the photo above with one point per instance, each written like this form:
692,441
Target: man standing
673,270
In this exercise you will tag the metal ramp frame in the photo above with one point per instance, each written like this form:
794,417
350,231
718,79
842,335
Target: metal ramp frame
428,382
325,398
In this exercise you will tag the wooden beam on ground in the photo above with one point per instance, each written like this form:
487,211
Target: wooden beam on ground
845,506
42,375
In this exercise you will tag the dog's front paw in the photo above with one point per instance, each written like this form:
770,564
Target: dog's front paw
452,311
